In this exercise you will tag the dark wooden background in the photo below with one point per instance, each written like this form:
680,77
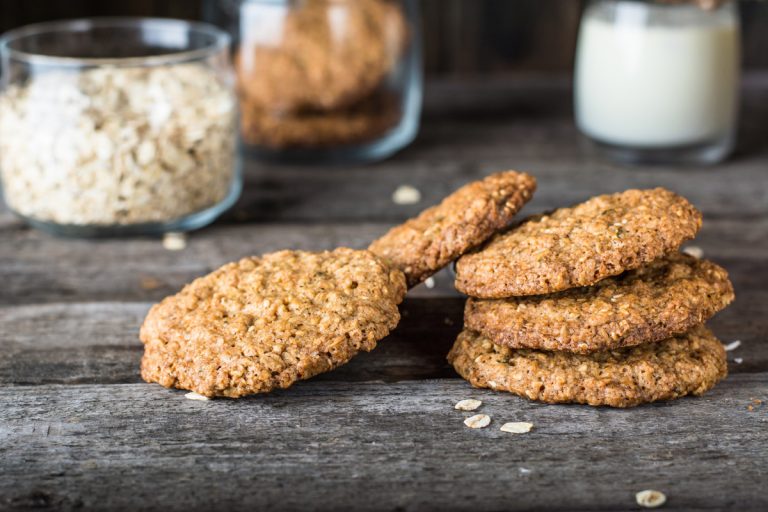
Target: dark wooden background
462,37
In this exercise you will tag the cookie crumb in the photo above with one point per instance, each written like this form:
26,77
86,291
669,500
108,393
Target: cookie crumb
196,396
517,427
732,345
738,360
406,194
478,421
175,241
470,404
650,498
150,283
696,252
429,283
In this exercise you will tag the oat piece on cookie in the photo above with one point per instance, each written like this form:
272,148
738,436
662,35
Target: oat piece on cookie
265,322
669,296
463,220
690,363
580,245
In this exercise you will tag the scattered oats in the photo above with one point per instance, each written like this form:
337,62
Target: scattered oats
732,345
524,471
429,283
517,427
738,360
196,396
650,498
150,283
478,421
492,384
696,252
406,194
470,404
175,241
447,321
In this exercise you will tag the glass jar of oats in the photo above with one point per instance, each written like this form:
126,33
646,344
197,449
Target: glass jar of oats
325,80
118,126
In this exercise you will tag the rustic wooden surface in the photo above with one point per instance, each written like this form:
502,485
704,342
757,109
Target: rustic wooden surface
79,430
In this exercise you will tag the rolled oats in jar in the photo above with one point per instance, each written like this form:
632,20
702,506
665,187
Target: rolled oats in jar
118,126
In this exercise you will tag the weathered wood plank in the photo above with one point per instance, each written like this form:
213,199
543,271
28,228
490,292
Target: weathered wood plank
98,342
373,446
37,268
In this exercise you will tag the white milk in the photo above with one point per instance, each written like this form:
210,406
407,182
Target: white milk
644,83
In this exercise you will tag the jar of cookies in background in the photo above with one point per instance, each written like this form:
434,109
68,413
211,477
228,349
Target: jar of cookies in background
118,126
325,80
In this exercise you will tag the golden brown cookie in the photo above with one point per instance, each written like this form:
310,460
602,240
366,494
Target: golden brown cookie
265,322
690,363
326,54
669,296
579,246
463,220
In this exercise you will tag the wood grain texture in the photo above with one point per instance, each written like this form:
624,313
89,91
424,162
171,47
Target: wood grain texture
370,446
79,430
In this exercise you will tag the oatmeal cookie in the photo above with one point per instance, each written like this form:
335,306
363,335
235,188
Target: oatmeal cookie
327,54
579,246
265,322
690,363
667,297
463,220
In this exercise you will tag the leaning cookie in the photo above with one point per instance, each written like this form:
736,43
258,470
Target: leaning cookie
463,220
579,246
691,363
266,322
667,297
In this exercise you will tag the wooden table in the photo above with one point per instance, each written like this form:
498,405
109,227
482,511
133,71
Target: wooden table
79,429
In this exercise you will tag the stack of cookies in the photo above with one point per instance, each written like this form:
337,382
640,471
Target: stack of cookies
594,304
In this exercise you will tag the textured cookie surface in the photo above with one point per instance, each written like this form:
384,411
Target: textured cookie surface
690,363
579,246
265,322
465,219
325,55
667,297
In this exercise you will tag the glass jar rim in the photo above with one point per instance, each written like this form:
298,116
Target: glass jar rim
220,40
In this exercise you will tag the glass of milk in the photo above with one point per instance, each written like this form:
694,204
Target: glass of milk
658,83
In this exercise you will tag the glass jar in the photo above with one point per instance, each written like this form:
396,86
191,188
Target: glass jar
658,82
325,80
118,126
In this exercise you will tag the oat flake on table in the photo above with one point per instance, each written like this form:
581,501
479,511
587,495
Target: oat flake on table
468,404
650,498
478,421
517,427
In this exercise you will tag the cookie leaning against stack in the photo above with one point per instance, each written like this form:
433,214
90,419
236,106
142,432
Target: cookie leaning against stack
594,304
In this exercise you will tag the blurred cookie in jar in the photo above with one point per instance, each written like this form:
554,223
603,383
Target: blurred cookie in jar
309,129
317,54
